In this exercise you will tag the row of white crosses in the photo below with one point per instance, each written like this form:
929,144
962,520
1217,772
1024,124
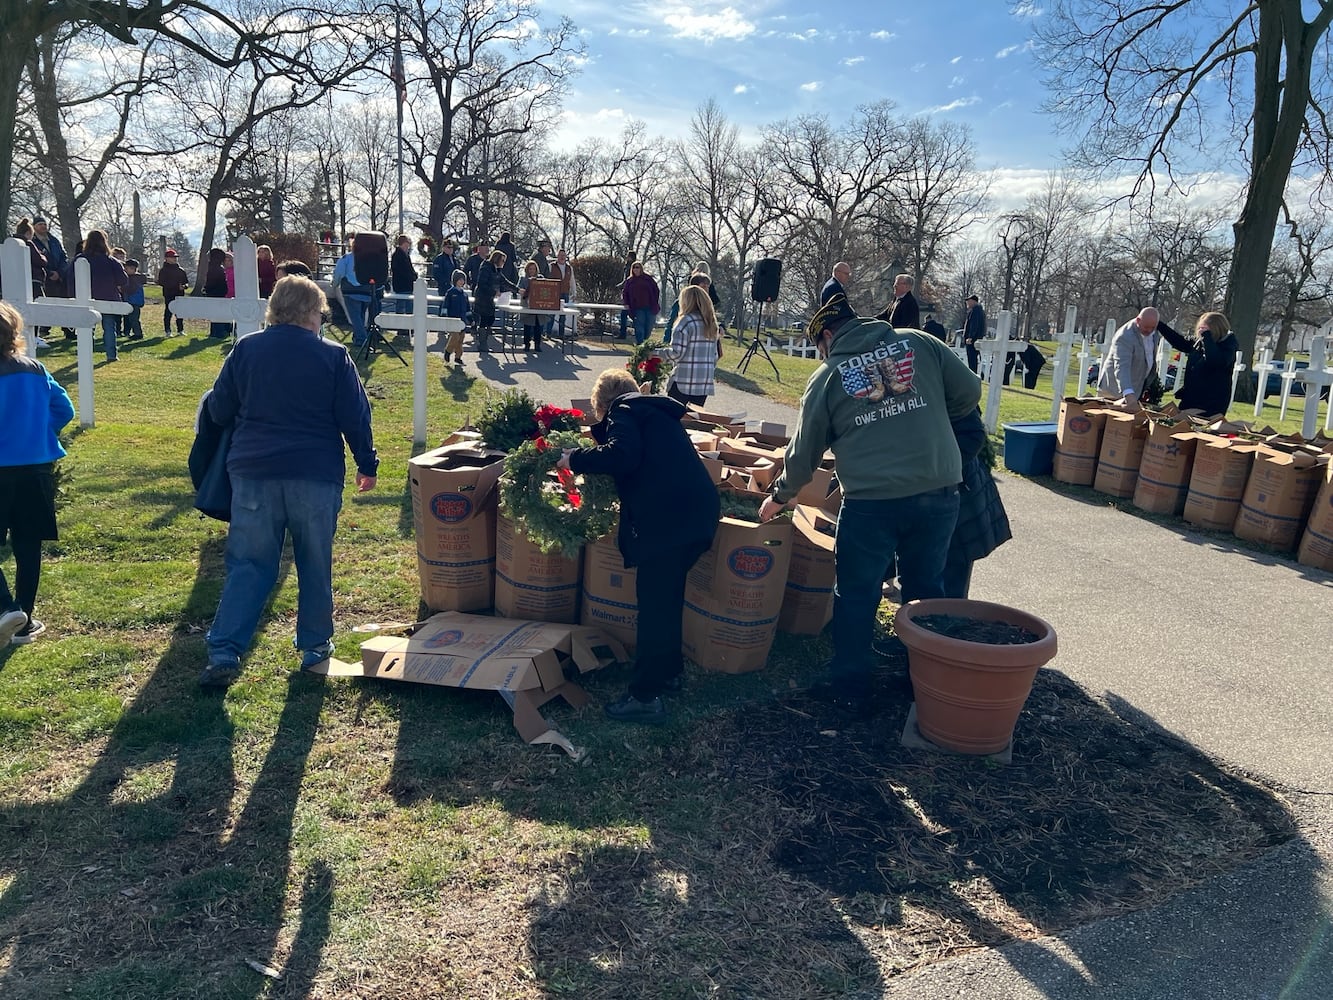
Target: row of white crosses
81,312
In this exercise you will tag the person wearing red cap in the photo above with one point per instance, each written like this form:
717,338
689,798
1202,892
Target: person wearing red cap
173,279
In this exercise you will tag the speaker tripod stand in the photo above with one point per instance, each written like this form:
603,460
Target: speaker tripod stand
374,334
757,345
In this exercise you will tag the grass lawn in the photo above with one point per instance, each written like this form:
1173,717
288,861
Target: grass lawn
361,839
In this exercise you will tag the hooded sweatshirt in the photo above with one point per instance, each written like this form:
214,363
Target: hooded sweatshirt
883,400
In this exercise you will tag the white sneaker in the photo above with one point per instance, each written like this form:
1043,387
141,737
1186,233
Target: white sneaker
11,624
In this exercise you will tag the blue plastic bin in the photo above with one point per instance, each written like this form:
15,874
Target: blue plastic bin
1029,448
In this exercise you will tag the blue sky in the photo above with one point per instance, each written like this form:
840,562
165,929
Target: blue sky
764,60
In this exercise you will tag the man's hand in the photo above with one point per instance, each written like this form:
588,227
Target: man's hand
770,509
563,463
364,484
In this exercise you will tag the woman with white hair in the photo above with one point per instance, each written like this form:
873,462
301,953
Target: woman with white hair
292,399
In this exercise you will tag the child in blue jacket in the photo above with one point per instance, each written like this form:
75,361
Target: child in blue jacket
456,305
135,297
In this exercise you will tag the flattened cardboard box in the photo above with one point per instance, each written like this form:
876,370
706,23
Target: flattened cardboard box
1217,482
807,602
532,584
453,516
734,593
524,661
1317,542
1123,438
609,594
1078,439
1168,460
1278,497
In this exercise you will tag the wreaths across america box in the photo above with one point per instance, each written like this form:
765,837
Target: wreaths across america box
528,663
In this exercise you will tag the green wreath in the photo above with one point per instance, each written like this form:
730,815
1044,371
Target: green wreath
646,365
555,512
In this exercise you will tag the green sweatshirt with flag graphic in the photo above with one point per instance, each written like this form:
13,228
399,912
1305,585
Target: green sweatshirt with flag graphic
883,401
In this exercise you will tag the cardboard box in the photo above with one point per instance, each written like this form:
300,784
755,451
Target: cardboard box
543,293
1317,541
1278,497
1217,481
610,600
734,593
807,602
1123,438
453,516
1168,460
718,431
731,424
760,469
531,584
526,662
1078,439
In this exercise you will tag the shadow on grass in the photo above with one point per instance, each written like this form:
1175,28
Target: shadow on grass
791,850
1220,541
138,883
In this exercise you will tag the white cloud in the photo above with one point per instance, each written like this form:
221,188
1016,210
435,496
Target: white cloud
919,66
962,102
882,36
1026,9
957,81
955,60
1006,52
812,86
854,61
610,114
804,36
638,32
726,23
740,88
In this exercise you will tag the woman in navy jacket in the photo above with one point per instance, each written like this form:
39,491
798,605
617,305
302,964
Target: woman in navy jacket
33,409
669,510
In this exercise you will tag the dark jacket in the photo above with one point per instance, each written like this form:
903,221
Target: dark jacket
983,525
1208,365
295,398
490,283
268,277
905,314
640,292
974,327
1033,359
173,279
936,329
472,268
208,465
38,264
56,258
442,269
106,276
402,275
666,495
831,288
510,269
215,281
455,303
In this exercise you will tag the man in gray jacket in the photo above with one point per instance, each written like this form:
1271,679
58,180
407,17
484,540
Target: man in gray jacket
1130,357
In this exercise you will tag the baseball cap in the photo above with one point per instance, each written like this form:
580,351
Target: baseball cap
38,220
171,253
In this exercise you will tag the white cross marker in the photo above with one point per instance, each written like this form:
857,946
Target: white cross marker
1060,367
246,309
420,321
996,349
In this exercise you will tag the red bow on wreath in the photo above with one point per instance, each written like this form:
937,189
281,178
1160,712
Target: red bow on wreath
567,481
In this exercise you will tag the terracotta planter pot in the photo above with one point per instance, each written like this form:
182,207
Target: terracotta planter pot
969,694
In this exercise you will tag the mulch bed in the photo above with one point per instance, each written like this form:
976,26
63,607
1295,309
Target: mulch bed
1094,816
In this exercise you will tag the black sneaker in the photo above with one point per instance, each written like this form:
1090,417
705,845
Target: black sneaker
630,709
219,675
29,632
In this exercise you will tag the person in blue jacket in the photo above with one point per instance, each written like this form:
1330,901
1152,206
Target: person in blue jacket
292,399
33,409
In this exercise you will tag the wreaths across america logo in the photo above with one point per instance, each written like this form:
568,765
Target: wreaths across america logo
886,371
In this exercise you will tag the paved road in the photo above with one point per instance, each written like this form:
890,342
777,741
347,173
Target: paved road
1225,648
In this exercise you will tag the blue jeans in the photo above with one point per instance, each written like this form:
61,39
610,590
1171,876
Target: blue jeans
917,530
263,512
357,308
110,327
643,324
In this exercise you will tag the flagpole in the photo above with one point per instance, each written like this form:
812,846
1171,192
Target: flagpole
400,92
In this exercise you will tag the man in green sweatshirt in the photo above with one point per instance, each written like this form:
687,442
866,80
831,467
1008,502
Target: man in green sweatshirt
883,401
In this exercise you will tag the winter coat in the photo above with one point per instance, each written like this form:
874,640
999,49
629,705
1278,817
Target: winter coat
1208,368
641,292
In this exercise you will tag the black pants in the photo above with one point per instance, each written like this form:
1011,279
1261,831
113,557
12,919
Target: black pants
27,574
660,591
1030,377
973,356
674,392
1009,360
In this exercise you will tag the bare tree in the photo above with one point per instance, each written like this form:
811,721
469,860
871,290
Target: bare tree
936,194
1301,278
1142,84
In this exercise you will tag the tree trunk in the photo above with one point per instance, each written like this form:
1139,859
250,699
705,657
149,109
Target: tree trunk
11,73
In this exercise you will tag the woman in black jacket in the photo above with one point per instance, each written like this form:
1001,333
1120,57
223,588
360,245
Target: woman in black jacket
510,267
669,510
1209,358
490,282
215,287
